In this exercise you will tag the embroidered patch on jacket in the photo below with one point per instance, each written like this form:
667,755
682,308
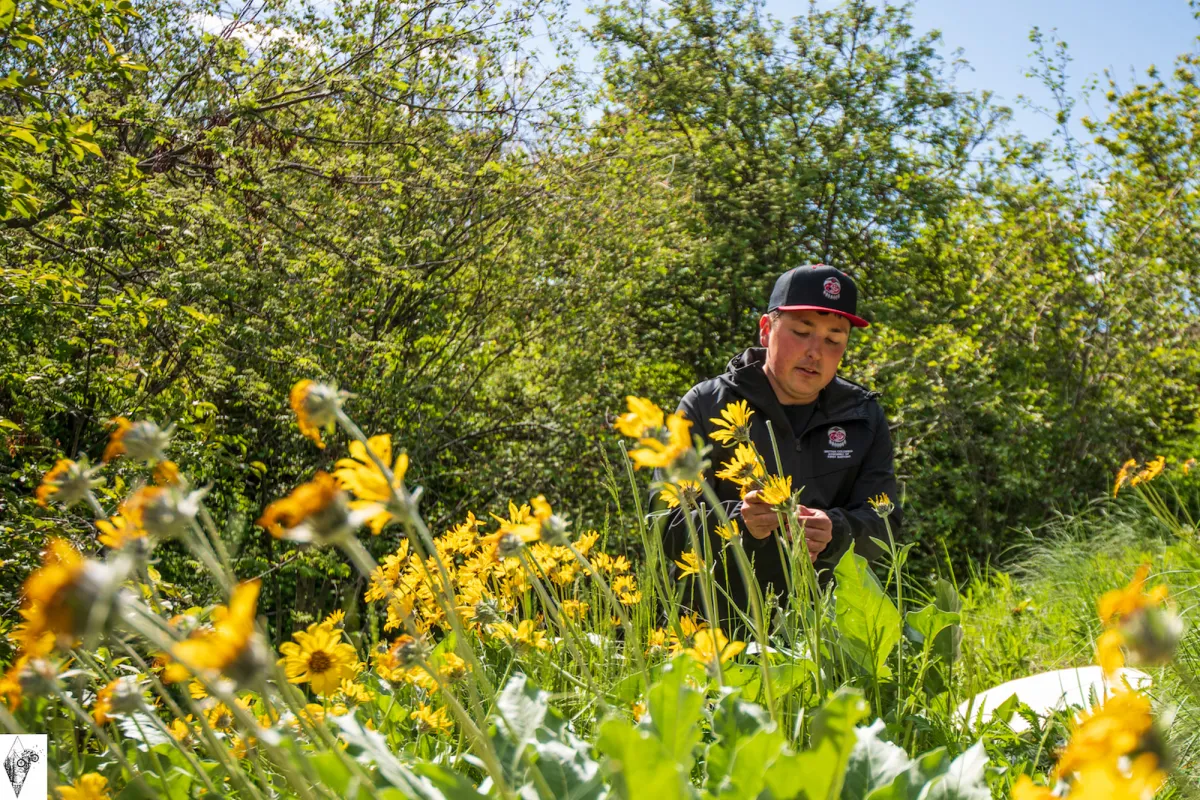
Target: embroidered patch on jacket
837,440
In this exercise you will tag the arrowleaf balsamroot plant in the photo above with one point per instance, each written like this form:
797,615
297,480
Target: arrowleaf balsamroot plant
512,655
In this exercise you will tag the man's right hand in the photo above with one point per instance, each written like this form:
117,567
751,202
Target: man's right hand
760,519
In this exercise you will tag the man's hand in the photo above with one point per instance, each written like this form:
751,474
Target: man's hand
818,530
760,518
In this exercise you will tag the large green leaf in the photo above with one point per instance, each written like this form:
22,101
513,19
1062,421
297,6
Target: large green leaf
874,762
540,752
675,712
747,743
868,623
370,747
818,773
909,784
965,778
638,764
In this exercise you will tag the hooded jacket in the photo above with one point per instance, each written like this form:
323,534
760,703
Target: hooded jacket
839,461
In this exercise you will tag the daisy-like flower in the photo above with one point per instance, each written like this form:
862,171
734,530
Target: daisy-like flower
68,597
67,482
575,610
745,468
1123,475
319,657
355,692
142,441
92,786
644,416
776,491
316,511
626,589
690,565
1152,470
1120,727
163,511
881,504
733,425
230,647
121,696
665,445
524,636
117,532
361,476
688,628
336,619
1026,789
316,406
728,531
1137,621
432,721
684,492
711,647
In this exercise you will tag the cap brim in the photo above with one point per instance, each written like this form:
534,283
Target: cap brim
857,322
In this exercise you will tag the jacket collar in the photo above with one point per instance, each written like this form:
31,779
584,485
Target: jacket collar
839,401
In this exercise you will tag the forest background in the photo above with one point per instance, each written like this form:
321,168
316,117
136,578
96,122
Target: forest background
200,205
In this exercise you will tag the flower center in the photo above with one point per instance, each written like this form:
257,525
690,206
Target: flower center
319,661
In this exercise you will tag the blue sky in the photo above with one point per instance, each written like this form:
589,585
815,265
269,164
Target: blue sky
1124,35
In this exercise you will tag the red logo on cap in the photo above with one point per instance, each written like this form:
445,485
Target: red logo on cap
833,288
837,436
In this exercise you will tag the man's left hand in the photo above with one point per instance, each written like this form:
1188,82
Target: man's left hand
818,530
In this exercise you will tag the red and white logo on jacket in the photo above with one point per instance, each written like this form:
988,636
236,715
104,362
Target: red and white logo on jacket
833,288
837,436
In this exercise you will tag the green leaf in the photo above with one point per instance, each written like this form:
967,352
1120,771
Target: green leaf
911,783
867,621
675,712
22,135
638,764
748,743
370,747
964,780
818,773
874,762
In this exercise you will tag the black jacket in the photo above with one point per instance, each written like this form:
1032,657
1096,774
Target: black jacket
837,473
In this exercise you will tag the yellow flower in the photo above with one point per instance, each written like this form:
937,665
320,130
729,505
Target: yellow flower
315,511
690,565
643,417
881,504
336,619
182,729
142,441
319,657
1187,465
745,468
432,721
103,704
586,542
230,647
665,446
1140,781
626,589
575,609
688,628
728,531
356,692
220,717
684,491
1026,789
64,598
733,424
117,531
1123,475
656,641
1151,471
67,482
1108,651
92,786
360,476
776,491
1117,727
316,406
1120,603
166,473
524,636
710,646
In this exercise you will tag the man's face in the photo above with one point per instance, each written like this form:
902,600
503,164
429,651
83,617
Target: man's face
804,349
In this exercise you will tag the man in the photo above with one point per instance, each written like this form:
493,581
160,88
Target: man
831,433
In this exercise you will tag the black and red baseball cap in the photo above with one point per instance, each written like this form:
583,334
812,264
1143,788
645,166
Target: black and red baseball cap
817,287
